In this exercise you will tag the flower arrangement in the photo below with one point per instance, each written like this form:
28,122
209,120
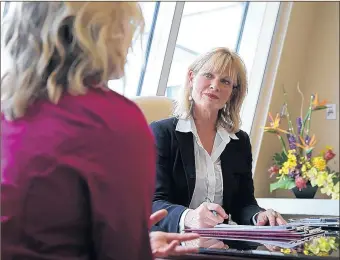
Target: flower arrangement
321,246
296,166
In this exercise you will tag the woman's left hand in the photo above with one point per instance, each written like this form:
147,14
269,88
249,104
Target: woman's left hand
164,244
270,218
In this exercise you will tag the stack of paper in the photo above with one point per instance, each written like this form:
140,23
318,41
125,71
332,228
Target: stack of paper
326,223
286,236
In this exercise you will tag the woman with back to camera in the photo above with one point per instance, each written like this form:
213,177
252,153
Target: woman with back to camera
204,162
77,160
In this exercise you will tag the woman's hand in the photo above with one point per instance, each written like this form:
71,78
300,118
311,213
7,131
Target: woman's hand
270,218
207,243
203,217
164,244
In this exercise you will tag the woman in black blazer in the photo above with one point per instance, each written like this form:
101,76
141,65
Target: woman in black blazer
204,161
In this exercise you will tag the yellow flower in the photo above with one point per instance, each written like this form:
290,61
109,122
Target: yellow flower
324,179
326,190
319,163
335,192
285,250
318,104
274,124
324,244
290,164
328,148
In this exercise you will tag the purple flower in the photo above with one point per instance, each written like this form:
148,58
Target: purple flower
299,124
291,141
291,174
307,141
297,172
309,156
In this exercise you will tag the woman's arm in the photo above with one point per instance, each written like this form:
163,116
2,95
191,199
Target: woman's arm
245,205
121,186
164,183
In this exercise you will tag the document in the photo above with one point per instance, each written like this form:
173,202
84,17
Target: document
286,236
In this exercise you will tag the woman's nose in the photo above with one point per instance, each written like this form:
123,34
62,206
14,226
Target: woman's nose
215,85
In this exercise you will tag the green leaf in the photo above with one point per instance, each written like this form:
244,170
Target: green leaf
270,131
320,108
280,158
285,183
309,150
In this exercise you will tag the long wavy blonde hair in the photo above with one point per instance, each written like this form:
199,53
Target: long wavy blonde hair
219,60
57,47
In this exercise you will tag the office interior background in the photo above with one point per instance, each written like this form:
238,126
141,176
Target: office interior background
282,44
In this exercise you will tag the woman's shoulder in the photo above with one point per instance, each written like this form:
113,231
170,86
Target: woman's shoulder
242,134
106,109
167,123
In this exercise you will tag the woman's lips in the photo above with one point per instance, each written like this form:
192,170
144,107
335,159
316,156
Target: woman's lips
212,96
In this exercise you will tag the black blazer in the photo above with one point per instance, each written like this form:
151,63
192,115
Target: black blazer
175,177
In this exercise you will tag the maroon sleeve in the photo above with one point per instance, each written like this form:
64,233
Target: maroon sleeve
78,185
121,187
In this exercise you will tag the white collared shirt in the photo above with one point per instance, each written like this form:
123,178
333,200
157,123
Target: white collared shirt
209,179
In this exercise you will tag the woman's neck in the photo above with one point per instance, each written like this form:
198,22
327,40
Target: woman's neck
205,119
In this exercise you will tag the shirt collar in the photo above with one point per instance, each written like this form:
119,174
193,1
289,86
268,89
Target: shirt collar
188,125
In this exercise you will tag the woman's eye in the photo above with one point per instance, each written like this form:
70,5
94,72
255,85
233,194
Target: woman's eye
226,82
208,75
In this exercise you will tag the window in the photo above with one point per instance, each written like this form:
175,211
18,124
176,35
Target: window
195,27
137,57
176,32
4,6
203,26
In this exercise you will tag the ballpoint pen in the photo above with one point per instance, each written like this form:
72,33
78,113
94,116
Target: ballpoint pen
212,211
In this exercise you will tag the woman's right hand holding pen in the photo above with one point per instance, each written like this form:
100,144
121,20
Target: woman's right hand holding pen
205,216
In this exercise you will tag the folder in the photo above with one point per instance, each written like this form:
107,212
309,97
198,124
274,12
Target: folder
331,223
286,236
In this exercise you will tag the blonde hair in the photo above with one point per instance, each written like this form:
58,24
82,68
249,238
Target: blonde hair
219,60
57,47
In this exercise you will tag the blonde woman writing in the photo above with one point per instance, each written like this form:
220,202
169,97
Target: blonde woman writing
204,162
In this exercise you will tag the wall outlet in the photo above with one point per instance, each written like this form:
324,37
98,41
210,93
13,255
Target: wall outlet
331,112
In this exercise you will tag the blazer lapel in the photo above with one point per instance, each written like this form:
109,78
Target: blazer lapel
227,161
186,147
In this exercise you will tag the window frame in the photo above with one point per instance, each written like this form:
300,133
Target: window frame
261,47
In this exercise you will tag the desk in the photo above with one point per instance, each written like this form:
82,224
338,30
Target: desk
311,207
255,251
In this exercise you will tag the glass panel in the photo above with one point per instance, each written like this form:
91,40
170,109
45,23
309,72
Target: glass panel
136,56
204,25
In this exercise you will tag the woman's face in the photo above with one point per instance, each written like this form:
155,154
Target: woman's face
210,91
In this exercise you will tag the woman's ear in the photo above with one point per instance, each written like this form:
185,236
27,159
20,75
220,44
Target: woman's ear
191,77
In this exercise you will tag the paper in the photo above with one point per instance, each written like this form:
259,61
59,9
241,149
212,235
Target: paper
286,236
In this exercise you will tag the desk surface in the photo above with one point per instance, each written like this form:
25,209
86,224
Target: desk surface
244,250
313,207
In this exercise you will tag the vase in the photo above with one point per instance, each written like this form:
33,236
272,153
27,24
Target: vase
306,193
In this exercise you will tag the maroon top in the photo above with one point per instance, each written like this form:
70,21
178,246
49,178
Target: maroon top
77,180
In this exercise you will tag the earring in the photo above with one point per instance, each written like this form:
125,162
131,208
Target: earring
226,109
227,115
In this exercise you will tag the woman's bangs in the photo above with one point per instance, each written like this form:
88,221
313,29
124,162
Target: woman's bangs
221,64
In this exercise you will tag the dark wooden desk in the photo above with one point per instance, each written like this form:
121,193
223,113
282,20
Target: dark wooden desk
247,257
254,251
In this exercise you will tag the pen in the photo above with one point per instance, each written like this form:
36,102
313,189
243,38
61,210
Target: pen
214,212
